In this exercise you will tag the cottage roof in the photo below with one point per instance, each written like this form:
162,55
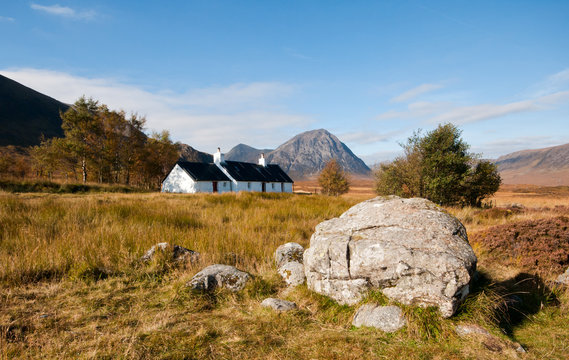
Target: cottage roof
203,171
242,171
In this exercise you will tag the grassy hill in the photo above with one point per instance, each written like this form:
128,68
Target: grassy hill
27,115
71,285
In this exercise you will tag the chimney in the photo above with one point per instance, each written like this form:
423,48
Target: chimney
218,157
262,160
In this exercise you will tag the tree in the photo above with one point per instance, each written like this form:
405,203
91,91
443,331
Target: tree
333,179
439,167
82,131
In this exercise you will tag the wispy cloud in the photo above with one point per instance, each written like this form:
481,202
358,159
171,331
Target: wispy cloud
64,11
252,113
7,19
414,92
471,114
296,54
415,110
496,148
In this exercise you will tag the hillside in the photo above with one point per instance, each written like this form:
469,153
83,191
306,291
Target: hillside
188,153
548,166
245,153
27,115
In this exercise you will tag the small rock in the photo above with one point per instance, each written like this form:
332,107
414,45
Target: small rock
292,273
289,252
470,329
278,304
179,253
218,275
563,279
385,318
519,348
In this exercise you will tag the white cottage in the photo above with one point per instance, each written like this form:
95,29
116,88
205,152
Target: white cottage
225,176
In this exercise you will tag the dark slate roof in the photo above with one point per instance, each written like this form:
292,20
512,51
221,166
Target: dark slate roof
242,171
203,171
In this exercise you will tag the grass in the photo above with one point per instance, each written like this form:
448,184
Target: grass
71,285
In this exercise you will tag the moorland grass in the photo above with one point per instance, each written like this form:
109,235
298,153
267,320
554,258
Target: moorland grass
72,285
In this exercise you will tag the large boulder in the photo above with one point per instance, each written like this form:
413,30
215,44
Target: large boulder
410,249
385,318
215,276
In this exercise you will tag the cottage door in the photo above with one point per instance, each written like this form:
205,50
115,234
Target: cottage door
264,187
214,183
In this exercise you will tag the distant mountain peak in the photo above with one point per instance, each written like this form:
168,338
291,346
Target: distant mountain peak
304,154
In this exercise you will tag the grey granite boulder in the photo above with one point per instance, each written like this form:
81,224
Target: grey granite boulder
216,276
278,304
292,273
385,318
563,279
288,252
410,249
177,252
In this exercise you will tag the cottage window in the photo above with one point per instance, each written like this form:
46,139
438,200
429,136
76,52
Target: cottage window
273,186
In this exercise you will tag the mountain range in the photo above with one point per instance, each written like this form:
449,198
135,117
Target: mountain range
547,166
305,154
27,115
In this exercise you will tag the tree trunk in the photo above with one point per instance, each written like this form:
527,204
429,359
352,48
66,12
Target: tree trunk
84,169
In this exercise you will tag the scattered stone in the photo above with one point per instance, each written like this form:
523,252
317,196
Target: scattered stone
218,275
563,279
288,252
278,304
409,248
179,253
292,273
491,342
385,318
469,329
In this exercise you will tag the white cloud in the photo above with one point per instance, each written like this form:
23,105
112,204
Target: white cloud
416,91
64,11
415,110
204,118
497,148
475,113
7,19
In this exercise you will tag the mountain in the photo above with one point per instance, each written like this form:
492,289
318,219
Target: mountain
548,166
245,153
188,153
26,115
305,154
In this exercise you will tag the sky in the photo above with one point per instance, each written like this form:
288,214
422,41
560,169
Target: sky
220,73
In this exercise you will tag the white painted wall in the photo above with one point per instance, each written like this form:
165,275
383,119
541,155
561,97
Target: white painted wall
178,181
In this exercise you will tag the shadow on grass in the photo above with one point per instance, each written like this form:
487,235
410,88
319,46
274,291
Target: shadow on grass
506,304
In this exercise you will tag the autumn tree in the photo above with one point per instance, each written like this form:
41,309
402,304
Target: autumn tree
333,180
439,167
82,131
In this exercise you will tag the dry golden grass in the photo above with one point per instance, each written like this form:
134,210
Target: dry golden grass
71,285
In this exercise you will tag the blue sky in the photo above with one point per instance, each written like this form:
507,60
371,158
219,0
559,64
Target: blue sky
219,73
